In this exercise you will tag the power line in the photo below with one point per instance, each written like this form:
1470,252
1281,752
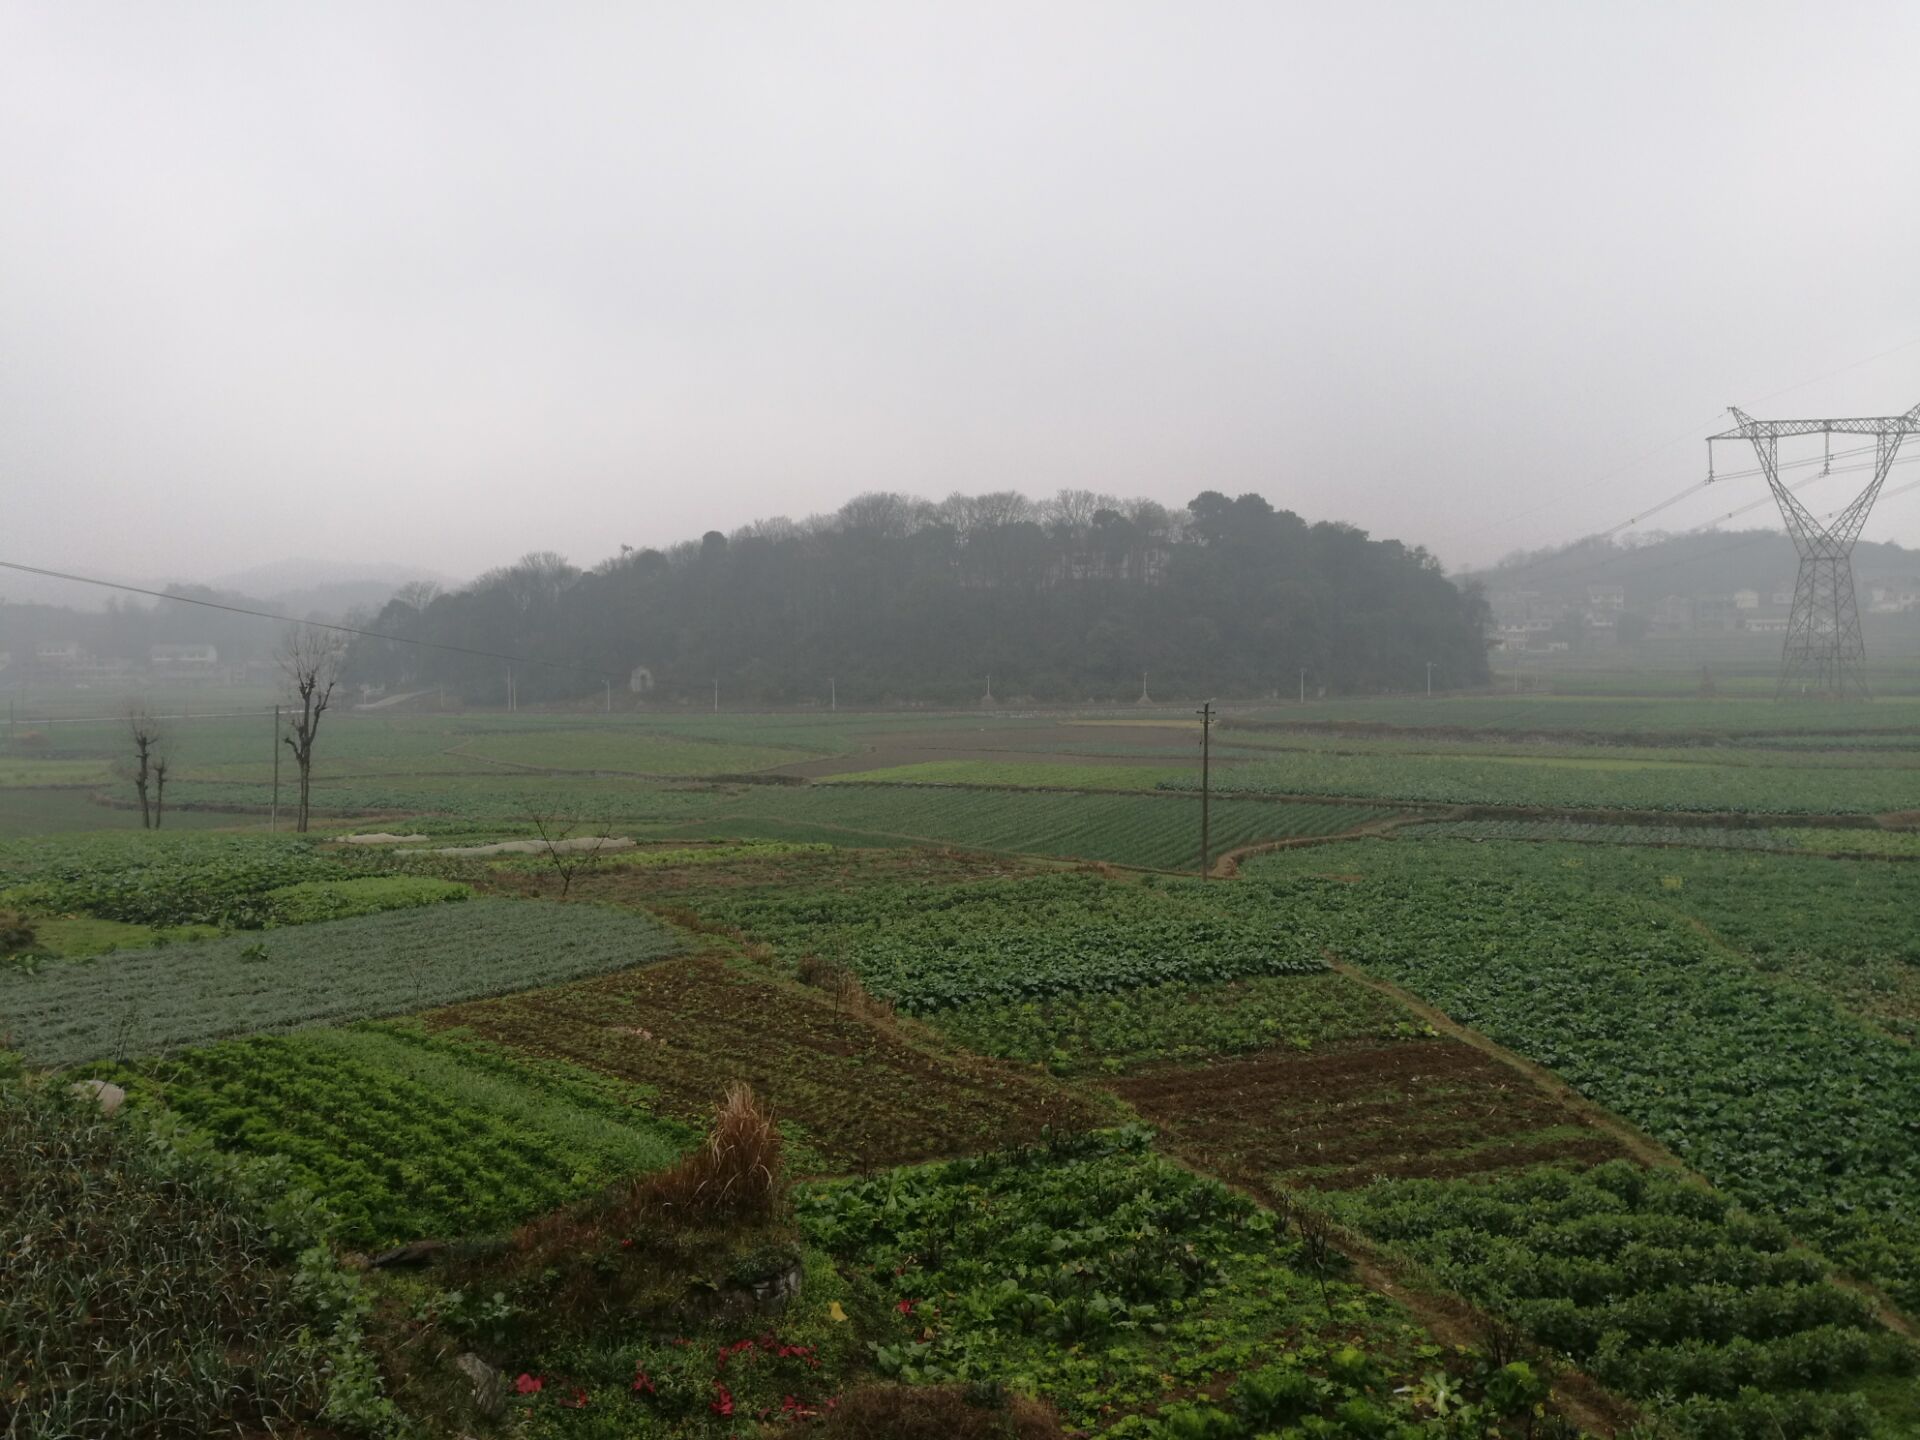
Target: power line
1744,544
314,624
1668,445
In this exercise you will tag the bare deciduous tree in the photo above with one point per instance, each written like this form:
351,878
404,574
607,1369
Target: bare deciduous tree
149,745
161,764
567,855
310,661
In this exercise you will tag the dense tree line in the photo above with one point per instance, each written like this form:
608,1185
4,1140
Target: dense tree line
895,599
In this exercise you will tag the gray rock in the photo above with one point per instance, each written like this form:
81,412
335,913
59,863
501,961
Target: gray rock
490,1387
414,1252
776,1290
108,1096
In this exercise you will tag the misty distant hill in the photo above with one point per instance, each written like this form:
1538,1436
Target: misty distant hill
330,588
893,598
1700,564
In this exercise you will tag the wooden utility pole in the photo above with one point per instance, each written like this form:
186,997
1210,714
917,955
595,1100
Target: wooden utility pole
1206,781
273,813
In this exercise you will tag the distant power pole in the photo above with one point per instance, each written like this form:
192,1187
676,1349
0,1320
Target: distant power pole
1303,685
1206,786
273,812
716,694
1824,653
833,695
1429,679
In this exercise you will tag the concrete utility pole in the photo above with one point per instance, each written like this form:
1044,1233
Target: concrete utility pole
1429,679
1824,653
833,695
716,694
1303,686
609,685
1205,713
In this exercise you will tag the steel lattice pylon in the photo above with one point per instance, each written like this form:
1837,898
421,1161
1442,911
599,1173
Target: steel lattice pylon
1824,653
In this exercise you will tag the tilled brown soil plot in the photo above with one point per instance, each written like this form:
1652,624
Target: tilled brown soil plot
866,1094
1344,1116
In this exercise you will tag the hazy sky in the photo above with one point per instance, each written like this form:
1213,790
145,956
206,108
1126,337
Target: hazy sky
442,283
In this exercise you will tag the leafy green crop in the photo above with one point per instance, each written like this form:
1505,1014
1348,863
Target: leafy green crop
1549,780
164,879
1658,1288
404,1134
313,900
1111,1033
1099,1275
1772,1091
1015,940
143,1002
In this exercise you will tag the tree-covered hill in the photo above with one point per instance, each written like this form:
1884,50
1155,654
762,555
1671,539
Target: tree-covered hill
896,599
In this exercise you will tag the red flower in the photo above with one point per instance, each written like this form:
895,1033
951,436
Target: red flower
643,1383
528,1384
626,1244
578,1402
905,1307
722,1400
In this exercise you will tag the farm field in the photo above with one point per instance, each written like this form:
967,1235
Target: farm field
1804,839
1021,939
1351,1114
1061,1145
858,1095
403,1134
146,1001
1076,1033
1709,1316
1546,780
1768,1087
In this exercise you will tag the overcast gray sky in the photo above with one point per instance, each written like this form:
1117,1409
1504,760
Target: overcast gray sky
442,283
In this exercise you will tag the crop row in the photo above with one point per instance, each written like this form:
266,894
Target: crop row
1620,715
1022,939
1656,1286
402,1134
1803,839
1161,832
1109,1033
1771,1090
148,1001
1545,780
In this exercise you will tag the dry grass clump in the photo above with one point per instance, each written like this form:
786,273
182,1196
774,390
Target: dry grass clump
734,1175
941,1412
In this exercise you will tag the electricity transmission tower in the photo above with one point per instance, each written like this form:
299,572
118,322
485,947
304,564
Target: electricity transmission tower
1824,654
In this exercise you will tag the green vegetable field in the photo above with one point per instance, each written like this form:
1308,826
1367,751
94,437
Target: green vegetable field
141,1002
1540,1068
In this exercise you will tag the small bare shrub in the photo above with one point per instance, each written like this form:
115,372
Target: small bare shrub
16,933
844,986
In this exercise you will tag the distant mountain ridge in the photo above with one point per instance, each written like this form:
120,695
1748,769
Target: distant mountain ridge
1699,563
